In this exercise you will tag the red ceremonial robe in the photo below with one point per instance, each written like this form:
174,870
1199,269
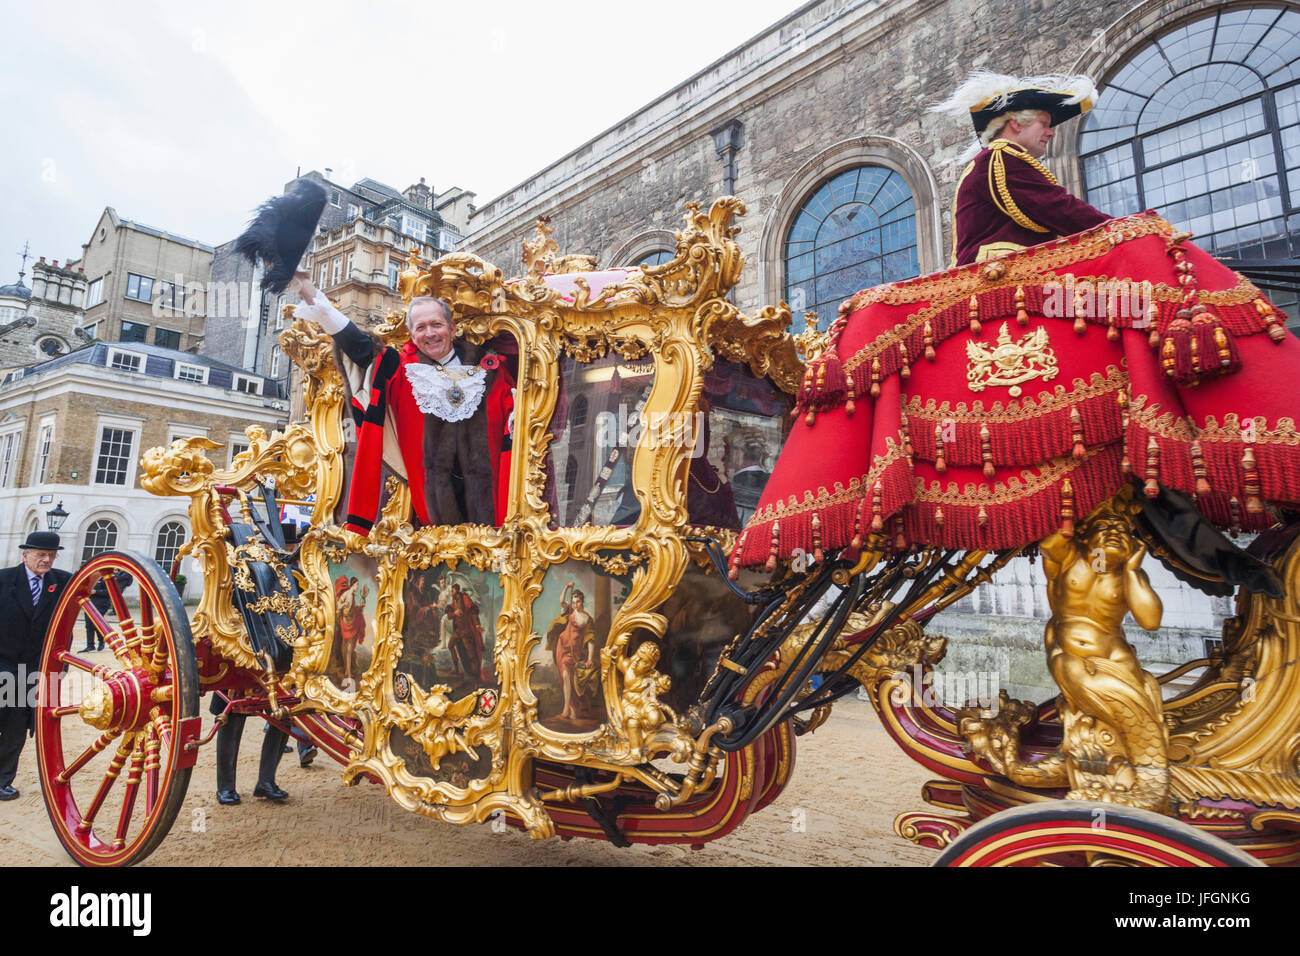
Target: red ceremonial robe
391,394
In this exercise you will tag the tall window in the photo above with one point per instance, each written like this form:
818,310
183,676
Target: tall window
856,231
133,331
114,456
167,338
170,538
1203,125
9,445
171,296
101,536
95,293
139,287
44,442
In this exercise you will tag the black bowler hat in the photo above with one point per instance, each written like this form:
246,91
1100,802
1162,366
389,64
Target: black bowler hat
41,541
281,232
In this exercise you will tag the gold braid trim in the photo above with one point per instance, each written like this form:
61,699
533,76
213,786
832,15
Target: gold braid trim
998,182
931,411
858,488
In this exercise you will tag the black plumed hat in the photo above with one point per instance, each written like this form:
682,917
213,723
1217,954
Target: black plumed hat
281,232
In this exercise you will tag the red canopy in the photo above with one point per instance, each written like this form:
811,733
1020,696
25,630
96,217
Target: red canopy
991,405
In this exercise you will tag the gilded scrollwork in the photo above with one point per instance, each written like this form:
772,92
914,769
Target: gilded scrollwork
674,316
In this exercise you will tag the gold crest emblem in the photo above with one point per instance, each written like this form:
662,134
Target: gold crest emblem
1009,364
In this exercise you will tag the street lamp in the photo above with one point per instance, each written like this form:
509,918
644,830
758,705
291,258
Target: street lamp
55,517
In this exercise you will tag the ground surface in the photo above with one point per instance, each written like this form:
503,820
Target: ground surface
850,781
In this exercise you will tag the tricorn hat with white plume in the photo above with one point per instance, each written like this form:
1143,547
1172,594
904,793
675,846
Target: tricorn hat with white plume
281,231
985,96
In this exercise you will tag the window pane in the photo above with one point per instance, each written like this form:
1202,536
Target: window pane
101,536
134,331
1206,157
167,338
114,456
856,231
170,538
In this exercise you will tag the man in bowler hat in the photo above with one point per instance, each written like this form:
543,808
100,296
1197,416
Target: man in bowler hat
28,594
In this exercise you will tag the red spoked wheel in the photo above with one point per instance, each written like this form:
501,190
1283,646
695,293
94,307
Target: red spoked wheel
1088,833
117,731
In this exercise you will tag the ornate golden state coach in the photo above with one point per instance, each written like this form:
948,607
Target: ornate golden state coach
593,666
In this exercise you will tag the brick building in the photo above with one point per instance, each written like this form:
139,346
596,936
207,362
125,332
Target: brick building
144,284
72,429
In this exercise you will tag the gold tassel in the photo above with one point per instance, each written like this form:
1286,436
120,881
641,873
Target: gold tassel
851,395
1199,470
906,432
1251,483
982,517
1234,509
900,539
1152,487
1022,315
770,566
975,315
734,573
817,537
940,465
904,371
875,377
986,450
929,340
1076,434
1153,319
938,516
877,520
1276,332
1067,508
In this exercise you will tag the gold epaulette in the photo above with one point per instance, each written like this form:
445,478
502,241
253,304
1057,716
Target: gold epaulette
998,182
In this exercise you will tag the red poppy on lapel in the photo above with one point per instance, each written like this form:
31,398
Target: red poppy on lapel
51,588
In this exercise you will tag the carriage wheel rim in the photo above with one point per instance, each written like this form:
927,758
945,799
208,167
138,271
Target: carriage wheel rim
148,706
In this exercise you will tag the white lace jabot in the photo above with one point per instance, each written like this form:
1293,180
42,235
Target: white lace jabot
449,392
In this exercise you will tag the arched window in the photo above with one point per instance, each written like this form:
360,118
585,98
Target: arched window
857,230
101,536
578,416
170,538
1203,125
655,258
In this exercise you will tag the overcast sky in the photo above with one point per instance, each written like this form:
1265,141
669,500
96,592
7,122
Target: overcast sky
186,116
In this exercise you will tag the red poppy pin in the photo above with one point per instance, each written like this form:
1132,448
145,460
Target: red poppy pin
490,362
51,588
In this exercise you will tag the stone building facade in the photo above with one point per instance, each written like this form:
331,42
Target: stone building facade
820,125
72,430
844,84
45,320
144,284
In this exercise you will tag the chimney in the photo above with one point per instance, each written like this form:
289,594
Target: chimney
328,172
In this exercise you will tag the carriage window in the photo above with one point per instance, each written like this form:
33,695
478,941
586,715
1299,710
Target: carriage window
461,444
595,428
745,422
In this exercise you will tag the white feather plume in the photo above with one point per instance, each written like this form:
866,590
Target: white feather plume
984,85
